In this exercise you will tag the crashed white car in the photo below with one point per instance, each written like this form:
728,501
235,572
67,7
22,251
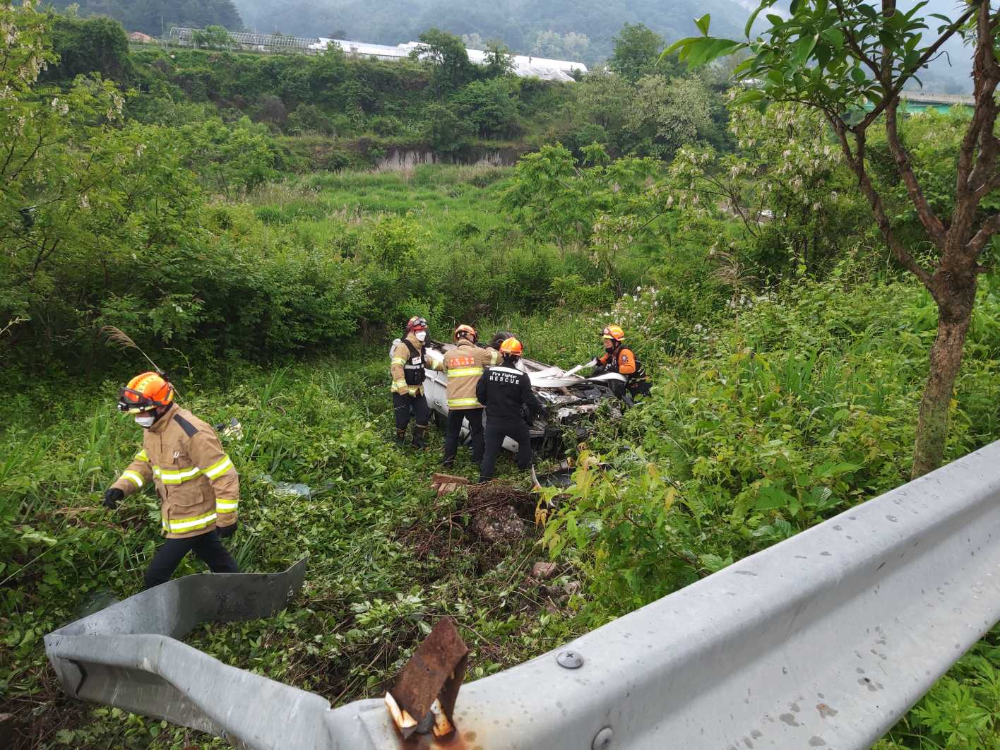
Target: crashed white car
571,400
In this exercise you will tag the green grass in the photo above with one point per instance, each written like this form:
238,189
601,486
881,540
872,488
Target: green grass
371,592
811,376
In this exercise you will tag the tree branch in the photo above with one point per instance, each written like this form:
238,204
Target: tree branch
856,159
906,75
987,187
986,73
851,41
927,216
989,228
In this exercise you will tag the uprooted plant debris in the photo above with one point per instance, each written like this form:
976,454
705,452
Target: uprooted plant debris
491,515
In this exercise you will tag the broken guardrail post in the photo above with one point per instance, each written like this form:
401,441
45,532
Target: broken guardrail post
128,656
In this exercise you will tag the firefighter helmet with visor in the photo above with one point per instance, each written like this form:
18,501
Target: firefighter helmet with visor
145,392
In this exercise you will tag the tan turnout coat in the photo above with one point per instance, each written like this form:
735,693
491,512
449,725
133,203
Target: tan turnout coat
198,485
464,365
401,360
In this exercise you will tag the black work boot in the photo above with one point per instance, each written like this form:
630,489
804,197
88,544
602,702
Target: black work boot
401,437
419,431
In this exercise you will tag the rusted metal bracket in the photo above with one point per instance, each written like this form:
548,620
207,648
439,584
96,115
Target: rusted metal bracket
423,699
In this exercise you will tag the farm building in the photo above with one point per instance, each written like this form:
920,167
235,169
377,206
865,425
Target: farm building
525,66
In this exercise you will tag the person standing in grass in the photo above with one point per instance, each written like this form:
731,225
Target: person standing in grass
506,392
196,481
407,369
464,365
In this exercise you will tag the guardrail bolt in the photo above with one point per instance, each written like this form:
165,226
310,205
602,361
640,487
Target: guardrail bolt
602,740
570,660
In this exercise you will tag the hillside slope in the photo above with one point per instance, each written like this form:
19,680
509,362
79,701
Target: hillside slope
522,24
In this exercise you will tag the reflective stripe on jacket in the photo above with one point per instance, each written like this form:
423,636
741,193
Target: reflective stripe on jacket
464,365
401,363
197,483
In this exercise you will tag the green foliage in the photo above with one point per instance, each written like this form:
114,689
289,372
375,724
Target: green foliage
605,210
445,131
87,46
962,708
446,52
786,358
491,106
372,595
786,192
637,50
653,115
233,161
213,37
499,61
664,115
803,412
825,54
156,17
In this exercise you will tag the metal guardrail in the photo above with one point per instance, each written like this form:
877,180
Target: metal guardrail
822,641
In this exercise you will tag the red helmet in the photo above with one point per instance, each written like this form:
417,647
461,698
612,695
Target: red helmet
145,392
416,323
512,347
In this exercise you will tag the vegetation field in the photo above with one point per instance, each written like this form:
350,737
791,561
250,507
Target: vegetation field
787,344
809,400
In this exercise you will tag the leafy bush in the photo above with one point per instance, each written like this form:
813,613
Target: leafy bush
491,107
308,118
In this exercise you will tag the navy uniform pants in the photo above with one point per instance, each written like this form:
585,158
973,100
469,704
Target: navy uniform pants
496,431
208,547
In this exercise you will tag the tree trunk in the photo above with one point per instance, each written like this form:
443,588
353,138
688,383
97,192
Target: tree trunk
945,361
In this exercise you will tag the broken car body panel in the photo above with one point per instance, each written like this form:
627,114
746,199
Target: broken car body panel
570,399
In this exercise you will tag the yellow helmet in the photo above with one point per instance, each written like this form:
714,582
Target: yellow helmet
615,333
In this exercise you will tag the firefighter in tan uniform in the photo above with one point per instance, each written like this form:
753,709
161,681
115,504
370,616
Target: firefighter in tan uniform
407,369
465,365
197,483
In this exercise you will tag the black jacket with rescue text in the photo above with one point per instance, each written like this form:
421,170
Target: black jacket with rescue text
502,390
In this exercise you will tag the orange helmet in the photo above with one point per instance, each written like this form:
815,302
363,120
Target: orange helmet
615,333
512,347
145,392
466,332
416,323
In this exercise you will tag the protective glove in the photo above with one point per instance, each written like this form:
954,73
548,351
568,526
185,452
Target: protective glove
599,370
227,531
111,498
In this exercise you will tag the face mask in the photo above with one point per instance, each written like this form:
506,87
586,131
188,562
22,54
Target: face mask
145,420
421,335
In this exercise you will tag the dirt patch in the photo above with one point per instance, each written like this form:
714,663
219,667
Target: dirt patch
488,520
34,720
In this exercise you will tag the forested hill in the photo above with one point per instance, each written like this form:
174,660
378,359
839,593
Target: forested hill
579,29
155,17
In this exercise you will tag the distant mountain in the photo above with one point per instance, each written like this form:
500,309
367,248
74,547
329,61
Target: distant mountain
573,29
526,26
